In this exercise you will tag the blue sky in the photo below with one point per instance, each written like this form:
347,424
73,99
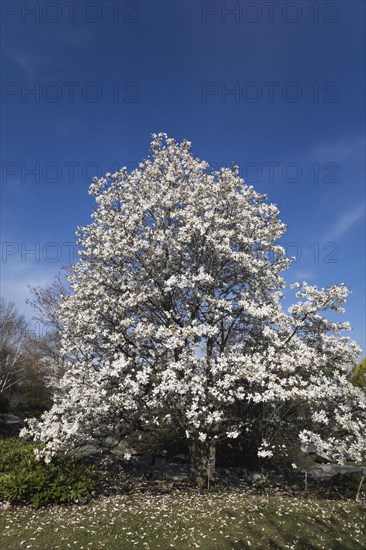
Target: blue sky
278,89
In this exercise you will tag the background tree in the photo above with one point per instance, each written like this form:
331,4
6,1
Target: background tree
175,320
358,375
22,376
13,332
45,302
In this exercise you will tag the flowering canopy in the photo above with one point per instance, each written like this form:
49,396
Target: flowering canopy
176,317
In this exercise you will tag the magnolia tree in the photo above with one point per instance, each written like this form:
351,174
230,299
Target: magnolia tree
175,320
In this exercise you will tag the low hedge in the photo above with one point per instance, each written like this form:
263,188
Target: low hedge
26,480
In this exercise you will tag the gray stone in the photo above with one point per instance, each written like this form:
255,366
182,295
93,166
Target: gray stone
10,425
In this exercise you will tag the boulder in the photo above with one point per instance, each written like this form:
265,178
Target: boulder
10,425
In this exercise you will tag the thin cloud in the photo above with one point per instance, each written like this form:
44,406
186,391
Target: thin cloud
76,38
299,275
30,63
339,150
345,223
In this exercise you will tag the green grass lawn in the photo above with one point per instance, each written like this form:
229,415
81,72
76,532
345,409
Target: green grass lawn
188,520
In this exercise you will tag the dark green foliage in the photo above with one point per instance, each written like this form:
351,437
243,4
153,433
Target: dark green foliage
32,397
26,480
4,404
358,374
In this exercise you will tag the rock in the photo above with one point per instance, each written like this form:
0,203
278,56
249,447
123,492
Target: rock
258,477
10,425
328,470
180,459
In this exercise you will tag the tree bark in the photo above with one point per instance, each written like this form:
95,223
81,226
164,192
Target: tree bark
203,460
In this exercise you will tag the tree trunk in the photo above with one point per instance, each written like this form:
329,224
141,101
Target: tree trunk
203,460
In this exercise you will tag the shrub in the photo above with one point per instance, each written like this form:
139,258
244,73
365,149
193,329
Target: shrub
26,480
4,404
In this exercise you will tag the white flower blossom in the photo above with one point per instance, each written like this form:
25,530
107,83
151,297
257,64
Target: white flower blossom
233,434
